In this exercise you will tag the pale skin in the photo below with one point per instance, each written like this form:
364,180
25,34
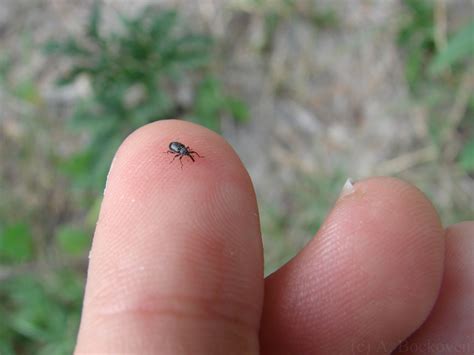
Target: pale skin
176,264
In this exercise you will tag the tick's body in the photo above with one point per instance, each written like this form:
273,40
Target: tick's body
180,150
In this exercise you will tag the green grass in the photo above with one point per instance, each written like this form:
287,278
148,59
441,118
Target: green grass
40,313
134,75
440,77
287,229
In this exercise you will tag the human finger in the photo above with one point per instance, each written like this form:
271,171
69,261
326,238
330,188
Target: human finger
176,262
450,327
365,282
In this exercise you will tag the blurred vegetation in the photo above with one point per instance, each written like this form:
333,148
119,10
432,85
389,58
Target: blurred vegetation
135,74
40,315
274,12
440,77
439,69
302,216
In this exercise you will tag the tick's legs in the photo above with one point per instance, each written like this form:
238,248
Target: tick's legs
193,152
177,155
191,157
181,157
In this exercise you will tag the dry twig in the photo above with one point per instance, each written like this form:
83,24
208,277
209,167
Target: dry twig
38,268
451,145
406,161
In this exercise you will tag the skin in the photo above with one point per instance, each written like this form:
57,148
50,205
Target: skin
176,265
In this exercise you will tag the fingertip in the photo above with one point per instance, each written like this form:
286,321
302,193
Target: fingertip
177,254
371,274
449,327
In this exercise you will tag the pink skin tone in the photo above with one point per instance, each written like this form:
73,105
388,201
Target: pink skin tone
177,264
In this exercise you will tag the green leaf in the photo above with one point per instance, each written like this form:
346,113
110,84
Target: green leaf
27,90
68,47
413,66
72,75
153,51
72,240
40,315
466,158
208,103
460,46
162,24
5,65
238,109
16,243
6,348
94,20
93,212
77,165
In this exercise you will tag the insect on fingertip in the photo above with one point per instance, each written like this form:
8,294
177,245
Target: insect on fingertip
180,151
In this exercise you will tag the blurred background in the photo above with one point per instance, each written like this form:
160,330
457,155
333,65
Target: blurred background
309,92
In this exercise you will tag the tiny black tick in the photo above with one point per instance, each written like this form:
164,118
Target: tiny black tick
180,150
